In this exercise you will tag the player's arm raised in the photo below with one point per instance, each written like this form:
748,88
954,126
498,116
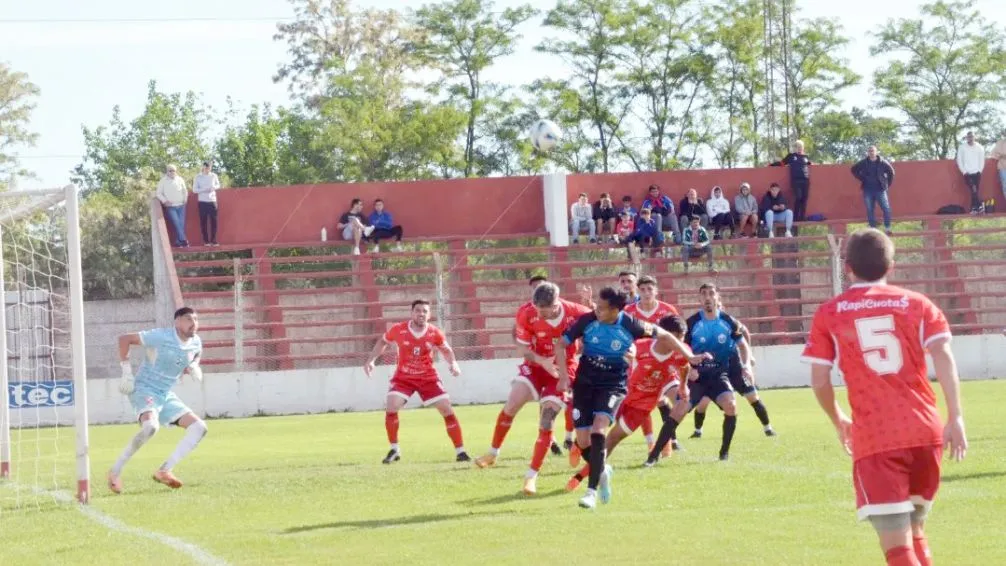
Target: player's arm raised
127,341
376,352
946,374
668,340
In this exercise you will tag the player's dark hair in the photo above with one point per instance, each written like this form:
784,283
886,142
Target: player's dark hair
355,202
184,311
709,286
545,295
536,278
616,298
673,324
869,254
622,274
378,199
646,280
418,302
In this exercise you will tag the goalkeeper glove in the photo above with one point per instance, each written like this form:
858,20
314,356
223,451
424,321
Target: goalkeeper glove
126,382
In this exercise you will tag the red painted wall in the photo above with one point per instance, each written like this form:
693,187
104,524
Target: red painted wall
920,187
423,208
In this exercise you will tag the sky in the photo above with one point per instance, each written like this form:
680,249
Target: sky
224,48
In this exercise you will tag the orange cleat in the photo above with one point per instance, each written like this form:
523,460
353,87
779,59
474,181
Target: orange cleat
485,461
167,478
574,456
530,486
573,483
114,483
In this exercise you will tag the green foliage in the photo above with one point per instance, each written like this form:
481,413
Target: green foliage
842,137
17,101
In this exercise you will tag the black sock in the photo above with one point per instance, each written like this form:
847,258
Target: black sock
761,411
665,436
729,425
585,453
699,419
665,412
596,459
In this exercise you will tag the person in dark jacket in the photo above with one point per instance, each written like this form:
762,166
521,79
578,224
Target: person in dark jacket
646,232
876,176
384,227
775,211
691,206
799,178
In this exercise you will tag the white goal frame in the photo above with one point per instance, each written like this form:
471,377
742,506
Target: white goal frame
45,198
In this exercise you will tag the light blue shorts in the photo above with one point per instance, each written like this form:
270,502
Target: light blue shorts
169,408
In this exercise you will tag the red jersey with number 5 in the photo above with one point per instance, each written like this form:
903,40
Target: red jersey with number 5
878,335
652,375
415,351
542,335
663,309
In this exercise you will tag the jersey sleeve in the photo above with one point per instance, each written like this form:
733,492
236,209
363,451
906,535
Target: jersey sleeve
690,325
934,324
736,332
575,332
437,337
389,336
154,338
522,331
637,328
820,348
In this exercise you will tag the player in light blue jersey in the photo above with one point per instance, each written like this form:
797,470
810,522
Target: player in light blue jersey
170,353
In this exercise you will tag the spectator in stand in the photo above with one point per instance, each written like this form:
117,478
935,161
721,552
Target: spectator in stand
625,228
876,176
581,215
646,233
696,243
627,207
173,194
999,154
384,227
799,178
352,226
662,209
605,217
971,162
205,186
776,211
719,214
746,206
691,206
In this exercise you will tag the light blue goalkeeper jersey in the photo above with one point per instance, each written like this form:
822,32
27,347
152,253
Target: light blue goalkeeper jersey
166,359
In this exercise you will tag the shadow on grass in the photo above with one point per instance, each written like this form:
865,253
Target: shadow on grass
511,497
974,476
423,519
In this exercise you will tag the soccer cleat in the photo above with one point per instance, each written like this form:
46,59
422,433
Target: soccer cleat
769,431
604,486
167,478
567,444
574,456
393,456
665,452
530,486
114,483
724,456
573,483
485,461
650,462
556,451
463,457
589,500
675,446
696,434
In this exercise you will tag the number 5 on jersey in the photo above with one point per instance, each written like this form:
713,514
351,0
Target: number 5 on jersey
881,348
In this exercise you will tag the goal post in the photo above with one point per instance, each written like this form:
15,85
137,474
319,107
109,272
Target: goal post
44,374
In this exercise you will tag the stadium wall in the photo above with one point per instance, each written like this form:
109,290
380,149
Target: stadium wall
348,389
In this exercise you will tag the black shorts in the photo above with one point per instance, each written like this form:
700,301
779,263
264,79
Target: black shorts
712,383
591,399
740,384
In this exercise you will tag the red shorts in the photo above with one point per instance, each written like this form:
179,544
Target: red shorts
895,482
630,418
429,387
543,386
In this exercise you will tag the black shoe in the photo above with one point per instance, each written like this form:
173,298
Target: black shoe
556,451
650,462
696,434
463,457
724,456
393,456
675,447
770,432
567,444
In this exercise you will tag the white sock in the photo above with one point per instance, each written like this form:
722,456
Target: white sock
649,439
394,447
530,474
768,427
193,434
494,451
569,436
147,431
698,430
459,449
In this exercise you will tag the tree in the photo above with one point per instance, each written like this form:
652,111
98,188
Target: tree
842,137
463,38
17,101
950,75
503,147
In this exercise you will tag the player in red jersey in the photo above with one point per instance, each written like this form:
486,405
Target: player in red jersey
659,374
878,334
537,333
416,339
649,309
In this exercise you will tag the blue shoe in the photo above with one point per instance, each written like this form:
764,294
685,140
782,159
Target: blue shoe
604,486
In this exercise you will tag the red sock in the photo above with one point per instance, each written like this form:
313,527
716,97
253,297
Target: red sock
503,422
647,426
922,552
454,430
901,556
391,425
568,413
541,447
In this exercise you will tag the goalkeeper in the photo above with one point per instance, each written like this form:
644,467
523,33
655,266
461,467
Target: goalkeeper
170,353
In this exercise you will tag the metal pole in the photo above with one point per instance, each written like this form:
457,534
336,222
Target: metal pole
76,309
836,264
239,317
438,266
4,378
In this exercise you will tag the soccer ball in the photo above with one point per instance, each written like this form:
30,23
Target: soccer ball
545,134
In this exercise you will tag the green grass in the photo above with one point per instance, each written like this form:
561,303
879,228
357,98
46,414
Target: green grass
311,490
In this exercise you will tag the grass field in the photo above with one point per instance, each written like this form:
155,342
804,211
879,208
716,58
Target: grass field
311,490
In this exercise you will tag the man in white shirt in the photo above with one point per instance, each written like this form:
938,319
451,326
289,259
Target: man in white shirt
205,186
172,193
581,215
971,161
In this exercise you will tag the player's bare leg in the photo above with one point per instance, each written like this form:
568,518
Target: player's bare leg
520,394
647,427
667,431
453,429
567,415
896,533
700,417
919,542
393,403
195,431
761,411
728,403
549,411
599,480
615,436
148,428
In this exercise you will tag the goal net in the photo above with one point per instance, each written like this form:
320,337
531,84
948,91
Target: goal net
43,418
